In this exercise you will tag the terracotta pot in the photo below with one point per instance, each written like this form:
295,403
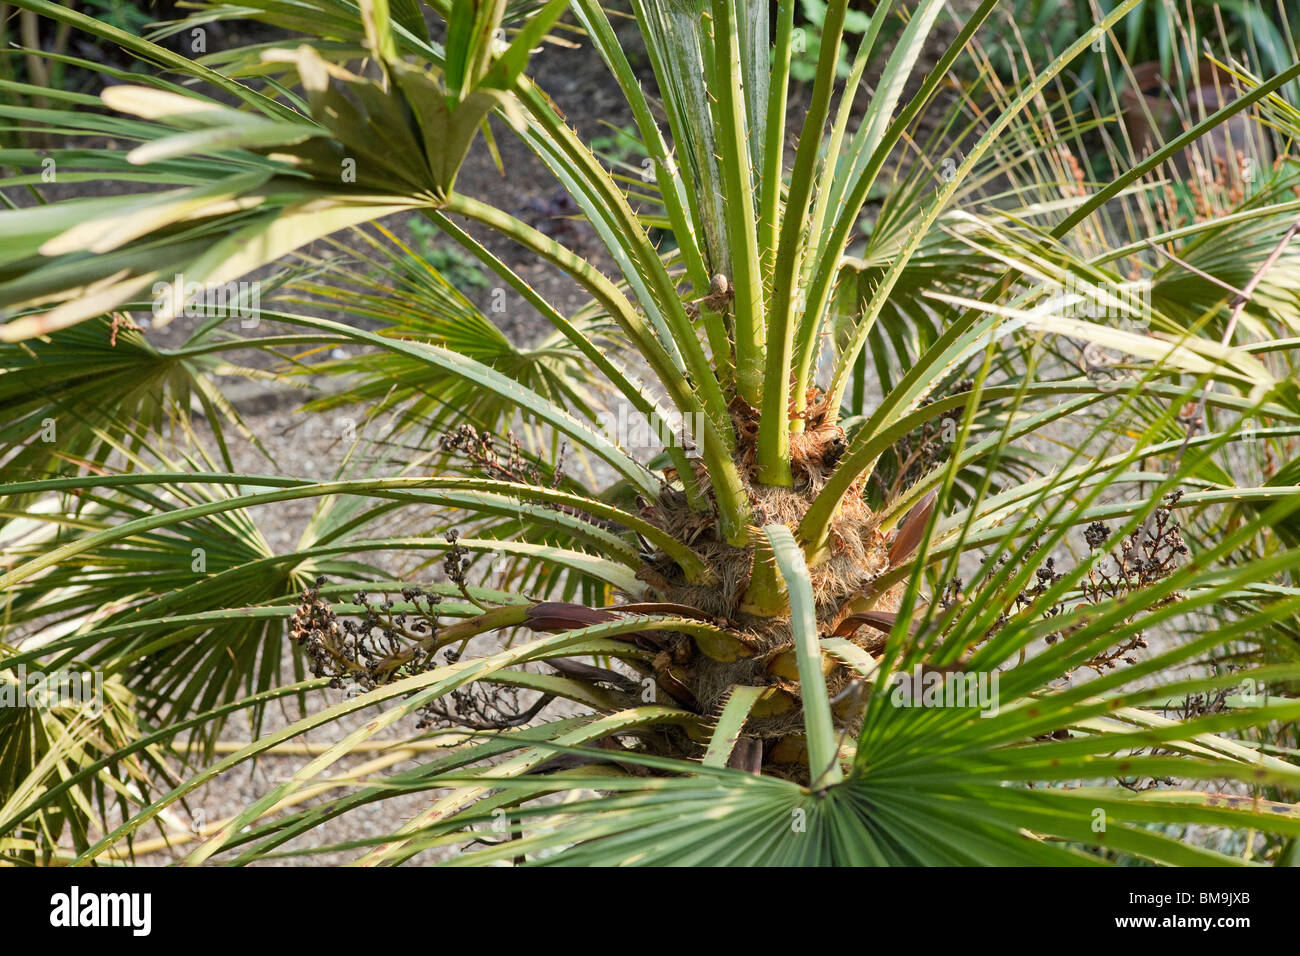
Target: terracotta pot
1164,118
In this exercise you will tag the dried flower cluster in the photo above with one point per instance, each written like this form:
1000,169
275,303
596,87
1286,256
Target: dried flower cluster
385,644
1203,705
455,563
515,465
1192,707
482,707
1146,556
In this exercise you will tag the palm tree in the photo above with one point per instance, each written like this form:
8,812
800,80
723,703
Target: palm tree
925,563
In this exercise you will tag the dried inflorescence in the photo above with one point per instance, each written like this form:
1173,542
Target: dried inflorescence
513,465
1044,579
388,643
1203,705
1095,535
482,707
1146,556
455,563
1143,558
384,645
1149,554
